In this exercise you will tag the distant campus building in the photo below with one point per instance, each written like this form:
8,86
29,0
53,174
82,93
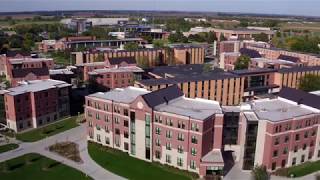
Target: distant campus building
33,104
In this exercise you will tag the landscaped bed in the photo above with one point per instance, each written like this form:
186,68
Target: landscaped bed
126,166
8,147
35,166
52,129
299,170
69,150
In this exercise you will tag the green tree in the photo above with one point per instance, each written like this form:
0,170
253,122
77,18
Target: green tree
158,43
177,37
310,82
261,37
260,173
211,37
242,62
131,46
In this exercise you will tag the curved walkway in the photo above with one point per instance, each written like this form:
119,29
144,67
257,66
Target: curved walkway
77,135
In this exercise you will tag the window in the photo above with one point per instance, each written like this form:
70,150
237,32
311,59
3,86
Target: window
106,128
313,133
117,131
157,142
285,150
310,155
283,163
286,139
168,146
193,151
98,138
125,123
180,137
97,116
181,125
304,146
179,161
274,164
194,140
306,134
90,123
180,149
106,118
297,137
169,122
169,134
125,112
107,140
276,142
158,154
194,127
116,120
158,130
294,161
126,146
106,107
98,127
302,159
192,164
168,158
295,148
126,134
275,153
311,144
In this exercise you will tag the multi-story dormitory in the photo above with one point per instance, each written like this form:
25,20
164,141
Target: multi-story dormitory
226,87
191,134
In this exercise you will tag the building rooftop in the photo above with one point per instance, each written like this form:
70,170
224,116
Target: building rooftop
214,156
301,97
250,52
199,109
21,73
28,59
272,61
289,58
36,85
278,109
60,71
126,95
119,60
299,69
133,69
243,72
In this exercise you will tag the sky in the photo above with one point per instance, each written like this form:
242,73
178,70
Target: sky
289,7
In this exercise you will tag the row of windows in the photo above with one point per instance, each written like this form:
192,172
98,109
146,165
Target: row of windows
179,160
297,137
106,107
299,125
180,125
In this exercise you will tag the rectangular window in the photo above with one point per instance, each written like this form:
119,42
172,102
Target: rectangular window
180,137
158,155
169,134
180,149
294,161
179,161
193,164
193,151
158,130
194,140
168,146
168,158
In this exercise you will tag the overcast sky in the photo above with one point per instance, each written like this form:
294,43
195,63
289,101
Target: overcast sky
295,7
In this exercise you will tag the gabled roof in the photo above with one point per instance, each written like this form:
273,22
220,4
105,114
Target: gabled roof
162,96
119,60
289,58
300,97
250,52
21,73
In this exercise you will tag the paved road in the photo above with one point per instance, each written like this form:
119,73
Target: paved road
76,135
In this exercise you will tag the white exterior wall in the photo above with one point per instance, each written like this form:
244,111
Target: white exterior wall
140,139
258,158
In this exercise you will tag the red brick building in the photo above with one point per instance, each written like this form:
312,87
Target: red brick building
36,103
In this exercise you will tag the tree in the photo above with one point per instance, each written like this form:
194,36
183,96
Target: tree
260,173
242,62
177,37
211,37
222,38
261,37
131,46
159,43
310,82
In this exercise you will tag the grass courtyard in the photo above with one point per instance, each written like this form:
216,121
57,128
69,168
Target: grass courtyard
8,147
123,165
35,166
52,129
300,170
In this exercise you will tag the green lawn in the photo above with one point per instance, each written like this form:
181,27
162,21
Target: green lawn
52,129
35,166
123,165
304,169
8,147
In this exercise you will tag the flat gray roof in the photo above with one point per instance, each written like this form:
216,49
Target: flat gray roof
278,109
37,85
60,71
126,95
199,109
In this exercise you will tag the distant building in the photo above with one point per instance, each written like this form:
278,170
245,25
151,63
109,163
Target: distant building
33,104
26,69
